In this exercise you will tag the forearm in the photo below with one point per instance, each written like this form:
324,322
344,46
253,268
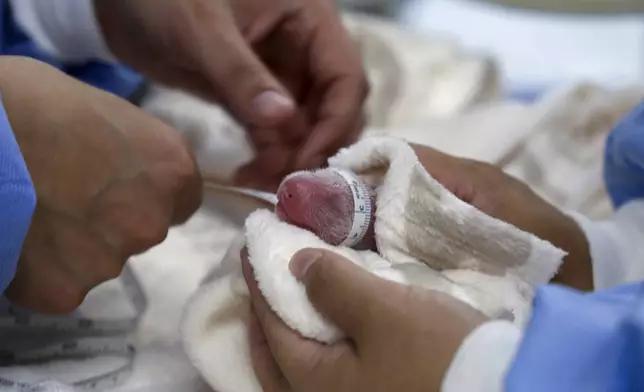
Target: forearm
17,201
66,29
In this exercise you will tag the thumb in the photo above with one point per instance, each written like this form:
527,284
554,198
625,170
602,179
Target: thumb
246,86
346,294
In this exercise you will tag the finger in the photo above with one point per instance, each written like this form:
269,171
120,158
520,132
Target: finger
349,296
268,372
340,83
291,133
453,173
187,199
189,80
433,160
270,162
286,344
132,227
246,86
297,356
338,120
285,52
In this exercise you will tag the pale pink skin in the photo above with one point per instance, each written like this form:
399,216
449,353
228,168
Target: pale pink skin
321,201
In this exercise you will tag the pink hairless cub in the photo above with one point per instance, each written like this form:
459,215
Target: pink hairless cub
333,204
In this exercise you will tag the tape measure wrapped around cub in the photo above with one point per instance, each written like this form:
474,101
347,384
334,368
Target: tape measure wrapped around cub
333,203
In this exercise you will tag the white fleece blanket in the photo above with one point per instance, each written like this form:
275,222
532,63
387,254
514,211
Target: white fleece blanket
425,235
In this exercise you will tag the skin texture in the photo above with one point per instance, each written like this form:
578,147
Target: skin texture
110,180
399,338
321,201
287,70
489,189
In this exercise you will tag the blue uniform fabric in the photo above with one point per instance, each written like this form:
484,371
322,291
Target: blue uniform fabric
624,159
591,342
582,342
17,201
117,79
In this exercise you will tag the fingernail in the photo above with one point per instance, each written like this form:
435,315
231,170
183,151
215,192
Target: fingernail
302,261
272,104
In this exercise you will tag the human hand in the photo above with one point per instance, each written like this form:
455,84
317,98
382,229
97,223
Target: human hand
400,338
286,70
497,194
109,178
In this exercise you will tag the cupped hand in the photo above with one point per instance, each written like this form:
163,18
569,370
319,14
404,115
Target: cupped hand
399,338
497,194
109,178
287,70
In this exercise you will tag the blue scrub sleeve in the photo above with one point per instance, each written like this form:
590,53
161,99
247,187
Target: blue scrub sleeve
582,342
624,159
591,342
17,201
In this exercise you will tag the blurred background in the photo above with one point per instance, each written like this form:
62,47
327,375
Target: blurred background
536,43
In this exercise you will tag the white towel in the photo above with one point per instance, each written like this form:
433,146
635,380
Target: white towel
425,235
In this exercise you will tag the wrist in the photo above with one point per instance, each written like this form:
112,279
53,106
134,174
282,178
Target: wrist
483,359
463,321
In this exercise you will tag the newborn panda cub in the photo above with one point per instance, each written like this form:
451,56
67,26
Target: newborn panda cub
334,204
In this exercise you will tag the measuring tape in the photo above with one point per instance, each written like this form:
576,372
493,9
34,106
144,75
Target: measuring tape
28,339
362,208
265,196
